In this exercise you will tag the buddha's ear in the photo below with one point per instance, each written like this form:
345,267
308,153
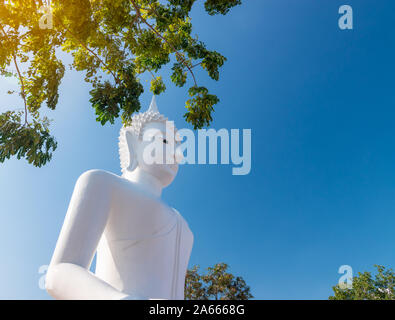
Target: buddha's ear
132,141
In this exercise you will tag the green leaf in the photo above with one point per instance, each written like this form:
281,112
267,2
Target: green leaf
157,86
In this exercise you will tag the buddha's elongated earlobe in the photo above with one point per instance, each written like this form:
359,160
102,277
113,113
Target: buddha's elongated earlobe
132,142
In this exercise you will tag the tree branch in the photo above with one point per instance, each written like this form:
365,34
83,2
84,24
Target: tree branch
92,52
138,13
23,94
22,85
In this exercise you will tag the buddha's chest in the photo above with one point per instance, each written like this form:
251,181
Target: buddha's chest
154,264
137,219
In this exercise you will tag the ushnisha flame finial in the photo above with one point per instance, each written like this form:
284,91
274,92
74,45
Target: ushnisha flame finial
140,119
153,106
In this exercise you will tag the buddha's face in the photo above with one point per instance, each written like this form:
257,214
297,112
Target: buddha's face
156,152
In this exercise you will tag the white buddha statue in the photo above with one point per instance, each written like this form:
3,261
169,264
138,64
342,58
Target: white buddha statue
143,245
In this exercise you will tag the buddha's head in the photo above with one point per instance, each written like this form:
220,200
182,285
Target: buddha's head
136,141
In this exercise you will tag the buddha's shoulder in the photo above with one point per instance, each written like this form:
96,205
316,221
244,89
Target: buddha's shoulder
105,178
97,176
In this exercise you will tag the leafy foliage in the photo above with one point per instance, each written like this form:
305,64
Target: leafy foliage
200,107
112,42
32,141
157,85
108,100
367,287
220,6
216,284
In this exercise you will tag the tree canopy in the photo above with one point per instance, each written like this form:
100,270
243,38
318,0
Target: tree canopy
216,284
368,287
112,42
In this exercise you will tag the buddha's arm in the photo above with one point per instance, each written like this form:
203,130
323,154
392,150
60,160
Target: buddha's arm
68,276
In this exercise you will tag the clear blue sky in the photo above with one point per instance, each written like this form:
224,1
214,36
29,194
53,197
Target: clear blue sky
321,193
